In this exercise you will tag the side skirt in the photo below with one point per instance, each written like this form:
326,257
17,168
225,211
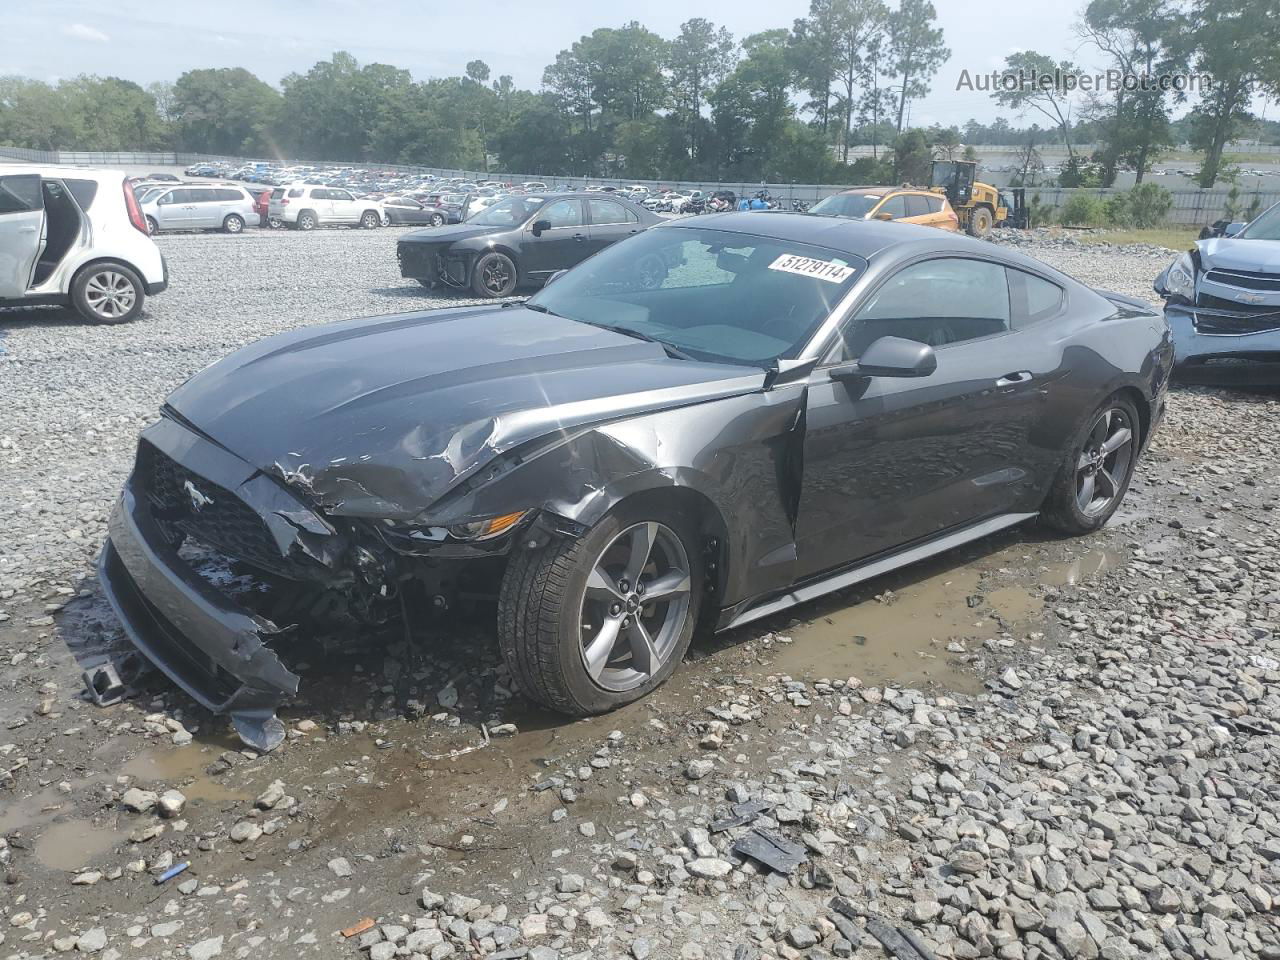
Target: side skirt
848,577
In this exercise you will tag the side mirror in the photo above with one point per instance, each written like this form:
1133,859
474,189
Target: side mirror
884,216
165,199
1231,229
889,357
539,225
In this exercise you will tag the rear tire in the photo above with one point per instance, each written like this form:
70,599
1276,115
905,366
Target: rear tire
553,609
152,227
107,292
494,275
1099,463
234,223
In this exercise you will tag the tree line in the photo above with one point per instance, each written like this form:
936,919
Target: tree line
783,104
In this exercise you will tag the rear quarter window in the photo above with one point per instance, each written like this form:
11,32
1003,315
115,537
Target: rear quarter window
1031,298
84,191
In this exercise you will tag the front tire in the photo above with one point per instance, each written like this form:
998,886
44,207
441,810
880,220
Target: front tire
1096,472
370,220
107,293
494,275
234,223
437,220
980,221
591,624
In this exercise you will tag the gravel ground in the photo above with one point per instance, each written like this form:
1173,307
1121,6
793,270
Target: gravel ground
1030,748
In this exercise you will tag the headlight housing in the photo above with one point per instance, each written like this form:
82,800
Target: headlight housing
487,527
1180,281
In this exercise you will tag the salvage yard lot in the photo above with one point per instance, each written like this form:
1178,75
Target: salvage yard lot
1032,747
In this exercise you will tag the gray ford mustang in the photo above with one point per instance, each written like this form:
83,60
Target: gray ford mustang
793,405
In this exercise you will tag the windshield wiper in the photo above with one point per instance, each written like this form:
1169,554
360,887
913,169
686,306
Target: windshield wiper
672,350
539,307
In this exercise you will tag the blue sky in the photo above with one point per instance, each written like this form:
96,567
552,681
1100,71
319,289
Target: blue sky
146,40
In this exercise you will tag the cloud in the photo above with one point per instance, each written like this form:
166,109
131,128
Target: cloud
84,32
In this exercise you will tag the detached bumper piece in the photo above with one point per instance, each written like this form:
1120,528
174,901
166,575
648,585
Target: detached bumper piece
202,639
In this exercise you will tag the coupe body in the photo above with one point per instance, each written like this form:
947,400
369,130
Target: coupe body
1222,301
800,403
520,241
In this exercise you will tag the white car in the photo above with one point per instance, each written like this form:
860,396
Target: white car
303,206
71,235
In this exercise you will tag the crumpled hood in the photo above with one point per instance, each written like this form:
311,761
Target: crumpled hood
382,416
449,234
1230,253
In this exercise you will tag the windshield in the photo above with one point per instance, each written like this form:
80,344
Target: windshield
509,212
1265,227
715,295
855,205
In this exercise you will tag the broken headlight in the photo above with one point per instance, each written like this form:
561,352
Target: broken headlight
1180,281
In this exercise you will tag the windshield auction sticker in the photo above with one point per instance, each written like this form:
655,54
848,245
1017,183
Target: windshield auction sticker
833,271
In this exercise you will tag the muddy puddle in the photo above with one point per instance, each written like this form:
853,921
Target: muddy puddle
920,626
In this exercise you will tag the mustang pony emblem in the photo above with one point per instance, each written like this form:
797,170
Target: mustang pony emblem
1250,297
198,500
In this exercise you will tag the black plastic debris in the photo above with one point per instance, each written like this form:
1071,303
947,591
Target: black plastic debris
103,684
779,855
899,942
740,814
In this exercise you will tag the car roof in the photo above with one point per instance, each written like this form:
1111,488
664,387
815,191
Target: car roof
860,238
883,191
59,171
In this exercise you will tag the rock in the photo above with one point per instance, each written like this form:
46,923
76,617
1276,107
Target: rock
697,769
968,861
340,867
205,949
245,831
709,868
92,941
382,951
268,799
87,879
139,801
459,905
420,941
172,803
802,937
570,883
641,949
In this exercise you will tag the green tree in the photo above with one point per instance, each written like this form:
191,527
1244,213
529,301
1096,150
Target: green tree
859,33
698,59
752,106
1237,43
1137,36
915,50
1046,99
912,157
223,111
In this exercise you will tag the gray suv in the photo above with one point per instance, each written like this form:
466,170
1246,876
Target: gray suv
196,206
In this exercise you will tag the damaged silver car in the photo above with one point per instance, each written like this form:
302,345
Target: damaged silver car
790,405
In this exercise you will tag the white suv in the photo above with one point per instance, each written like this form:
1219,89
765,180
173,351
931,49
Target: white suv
75,235
305,207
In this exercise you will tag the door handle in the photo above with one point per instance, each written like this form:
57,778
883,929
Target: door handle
26,229
579,237
1013,379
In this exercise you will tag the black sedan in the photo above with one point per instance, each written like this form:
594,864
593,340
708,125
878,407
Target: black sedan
520,240
799,404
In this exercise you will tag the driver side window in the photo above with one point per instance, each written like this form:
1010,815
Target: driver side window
938,302
563,213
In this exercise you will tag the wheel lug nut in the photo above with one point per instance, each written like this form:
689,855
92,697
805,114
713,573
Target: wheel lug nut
626,621
616,609
640,589
624,586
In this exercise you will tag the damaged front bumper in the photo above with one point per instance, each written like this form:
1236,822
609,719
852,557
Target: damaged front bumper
208,645
185,486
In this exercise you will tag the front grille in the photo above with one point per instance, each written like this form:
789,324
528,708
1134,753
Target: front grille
223,521
1234,323
1245,279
